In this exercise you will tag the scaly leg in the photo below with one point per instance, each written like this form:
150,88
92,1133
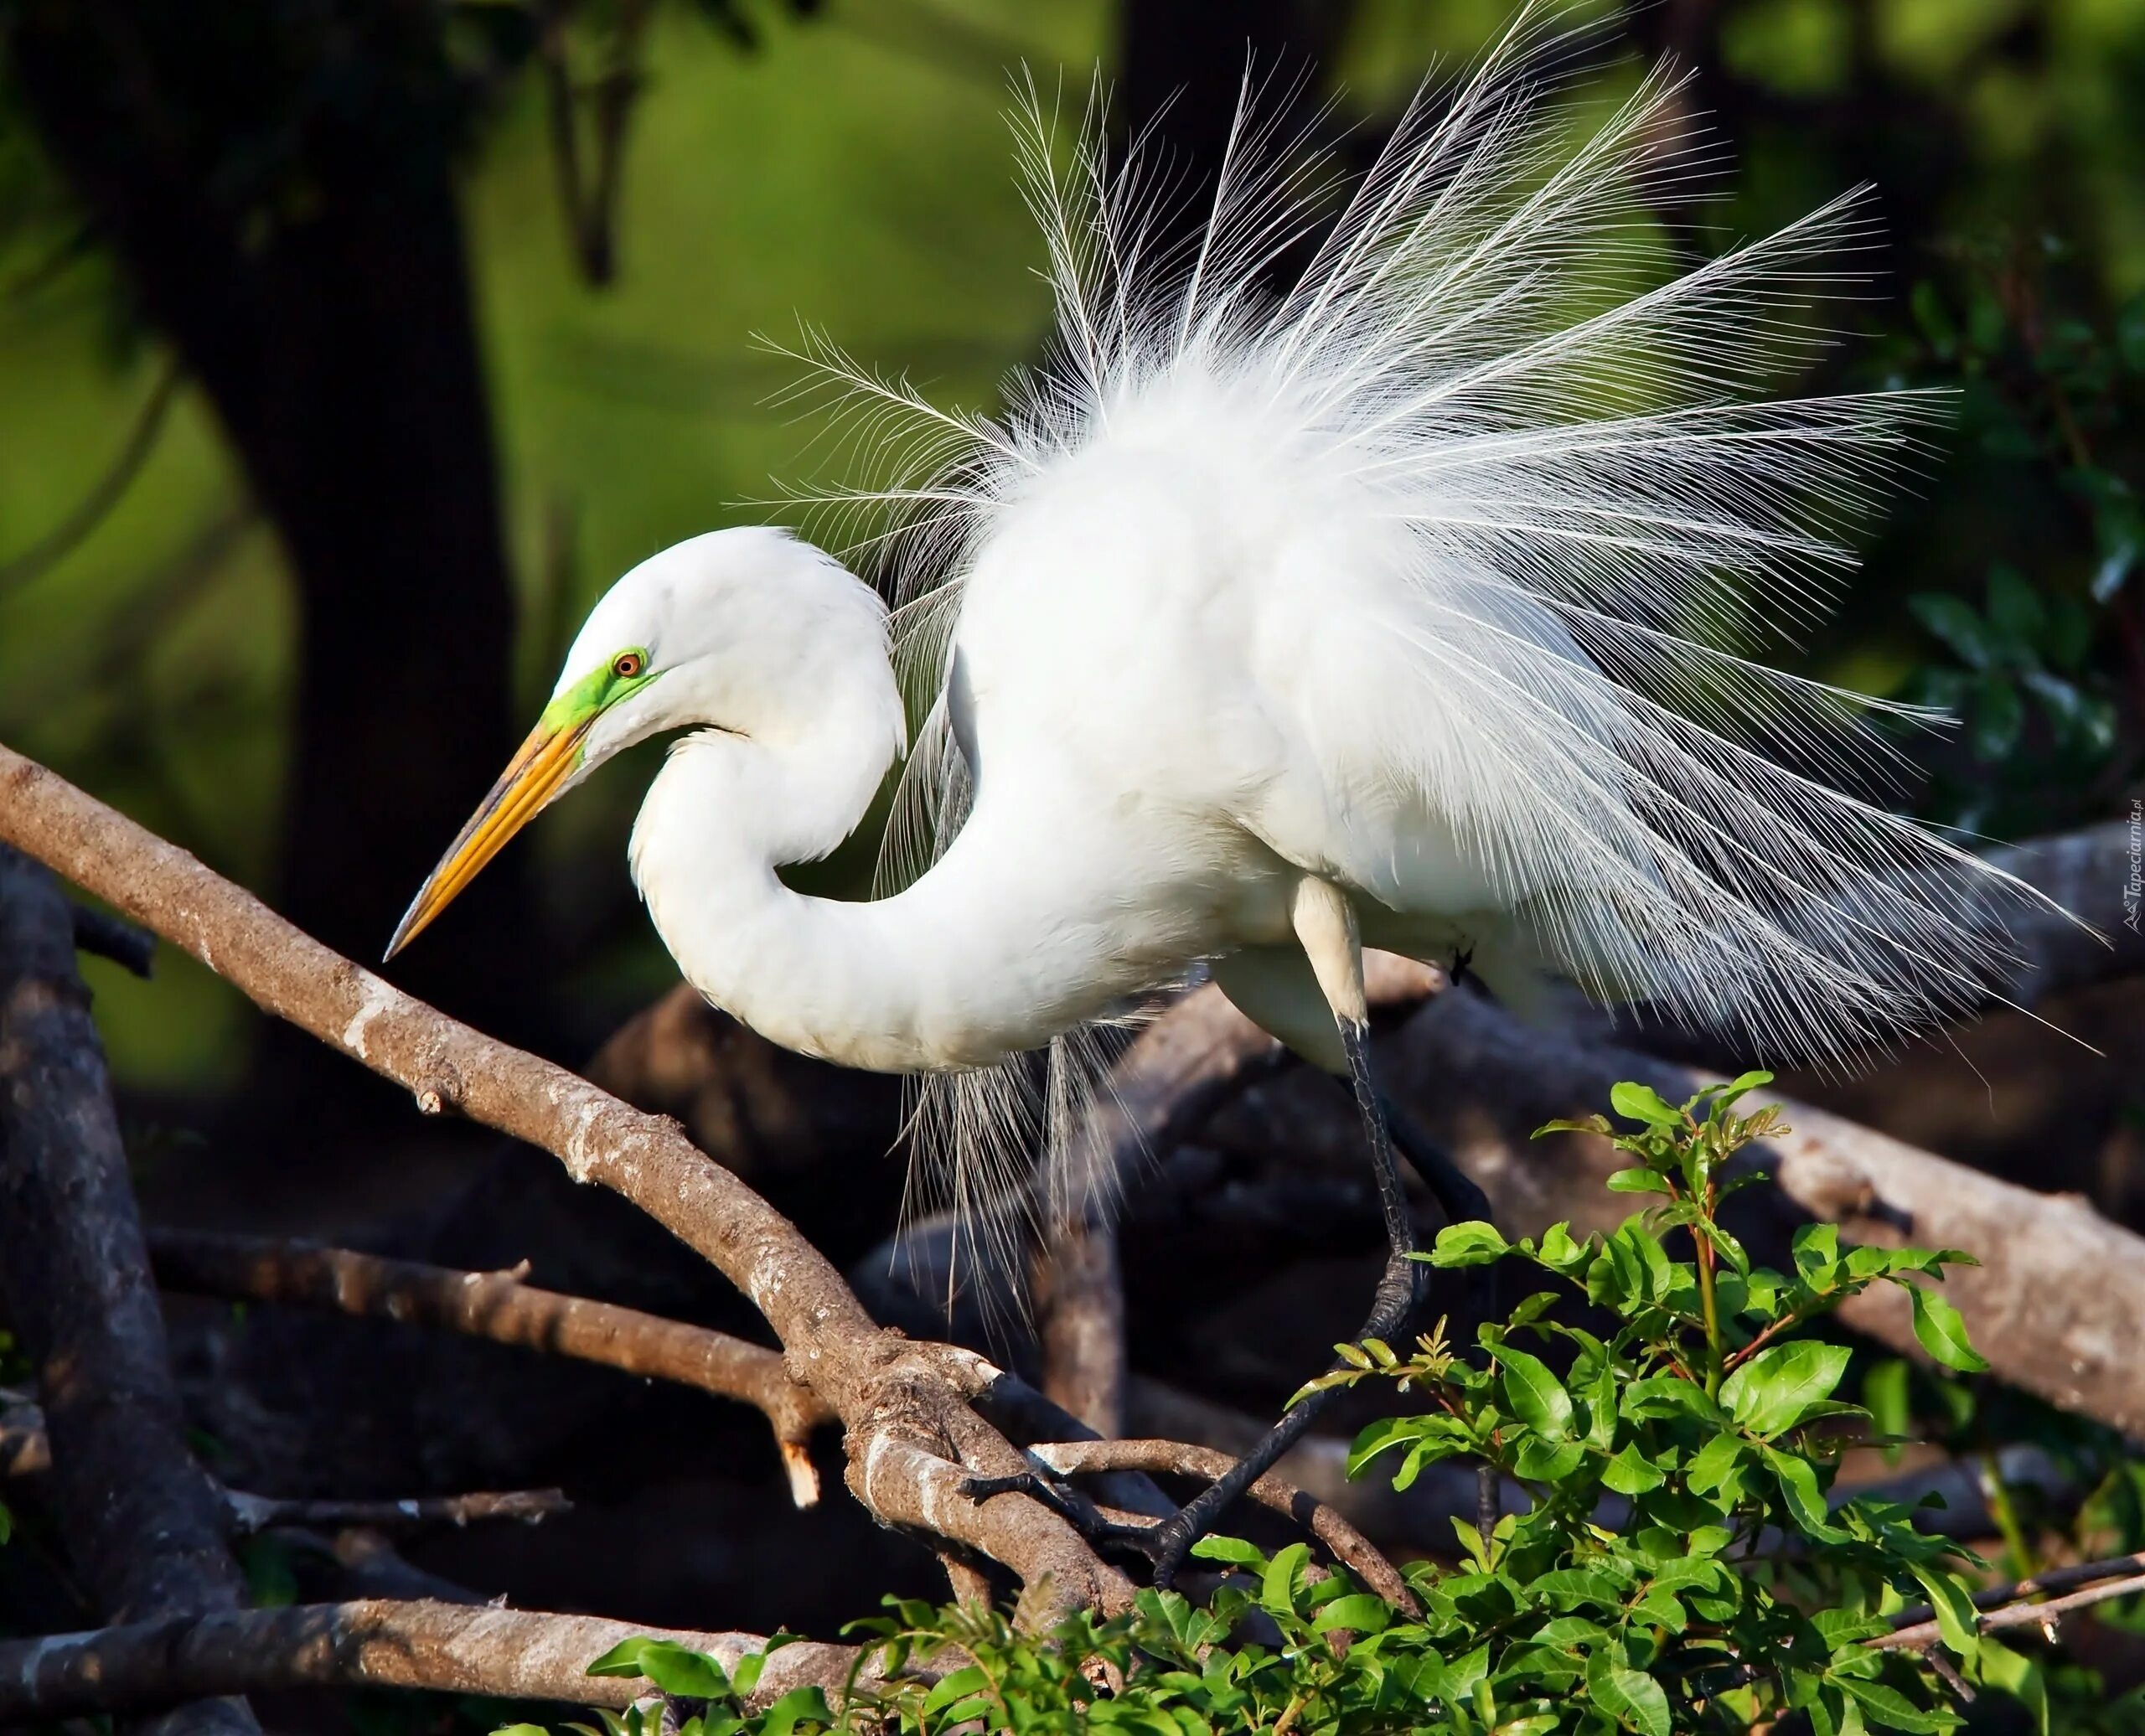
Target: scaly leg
1325,924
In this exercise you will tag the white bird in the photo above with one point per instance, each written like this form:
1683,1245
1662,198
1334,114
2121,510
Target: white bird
1412,606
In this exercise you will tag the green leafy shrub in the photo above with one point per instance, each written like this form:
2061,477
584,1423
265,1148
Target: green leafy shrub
1680,1567
2049,404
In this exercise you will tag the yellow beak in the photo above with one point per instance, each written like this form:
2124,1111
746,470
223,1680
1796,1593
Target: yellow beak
532,777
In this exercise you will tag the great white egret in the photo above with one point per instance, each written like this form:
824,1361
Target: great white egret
1410,605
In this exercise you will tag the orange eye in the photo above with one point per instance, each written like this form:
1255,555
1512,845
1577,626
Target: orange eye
627,664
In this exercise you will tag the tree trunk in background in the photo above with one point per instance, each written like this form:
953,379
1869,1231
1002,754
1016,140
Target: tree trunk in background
277,184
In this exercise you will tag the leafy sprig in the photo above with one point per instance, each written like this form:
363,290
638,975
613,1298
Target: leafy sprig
1680,1564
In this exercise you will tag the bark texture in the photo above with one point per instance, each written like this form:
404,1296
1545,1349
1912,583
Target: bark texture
143,1525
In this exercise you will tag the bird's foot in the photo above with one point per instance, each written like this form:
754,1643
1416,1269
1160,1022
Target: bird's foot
1057,1493
1165,1544
1170,1542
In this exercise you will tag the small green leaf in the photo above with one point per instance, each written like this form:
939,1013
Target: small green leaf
1777,1388
1638,1181
1711,1463
1237,1552
1886,1705
1283,1579
1573,1588
1631,1696
1359,1613
1468,1244
798,1706
1806,1501
1999,717
674,1668
1559,1252
1934,317
1545,1461
1959,625
2014,606
1943,1334
1954,1606
1642,1103
2018,1676
959,1686
1631,1473
1817,1253
1536,1395
1884,1392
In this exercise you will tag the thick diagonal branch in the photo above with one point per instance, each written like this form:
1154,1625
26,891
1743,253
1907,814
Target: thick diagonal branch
911,1441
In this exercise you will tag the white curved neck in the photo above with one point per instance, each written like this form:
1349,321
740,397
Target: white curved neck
957,971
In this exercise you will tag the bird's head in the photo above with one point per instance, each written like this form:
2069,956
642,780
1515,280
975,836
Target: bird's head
742,629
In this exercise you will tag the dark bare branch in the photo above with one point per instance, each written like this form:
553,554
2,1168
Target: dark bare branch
498,1306
253,1513
143,1524
104,935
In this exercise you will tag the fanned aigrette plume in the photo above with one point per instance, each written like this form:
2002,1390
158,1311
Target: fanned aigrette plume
1608,514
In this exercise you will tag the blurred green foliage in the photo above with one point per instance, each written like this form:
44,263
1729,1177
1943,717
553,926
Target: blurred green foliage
849,166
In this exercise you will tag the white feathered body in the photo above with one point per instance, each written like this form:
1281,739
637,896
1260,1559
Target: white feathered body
1217,687
1438,575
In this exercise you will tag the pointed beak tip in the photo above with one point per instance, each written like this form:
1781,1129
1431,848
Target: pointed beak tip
407,930
531,778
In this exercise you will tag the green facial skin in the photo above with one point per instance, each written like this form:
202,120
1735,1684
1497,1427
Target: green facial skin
595,692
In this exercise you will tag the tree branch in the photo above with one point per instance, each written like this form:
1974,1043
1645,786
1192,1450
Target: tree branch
498,1306
2035,1585
141,1522
2042,1616
255,1513
453,1648
911,1439
101,934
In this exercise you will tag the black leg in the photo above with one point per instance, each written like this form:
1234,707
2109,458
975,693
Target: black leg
1399,1294
1462,1202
